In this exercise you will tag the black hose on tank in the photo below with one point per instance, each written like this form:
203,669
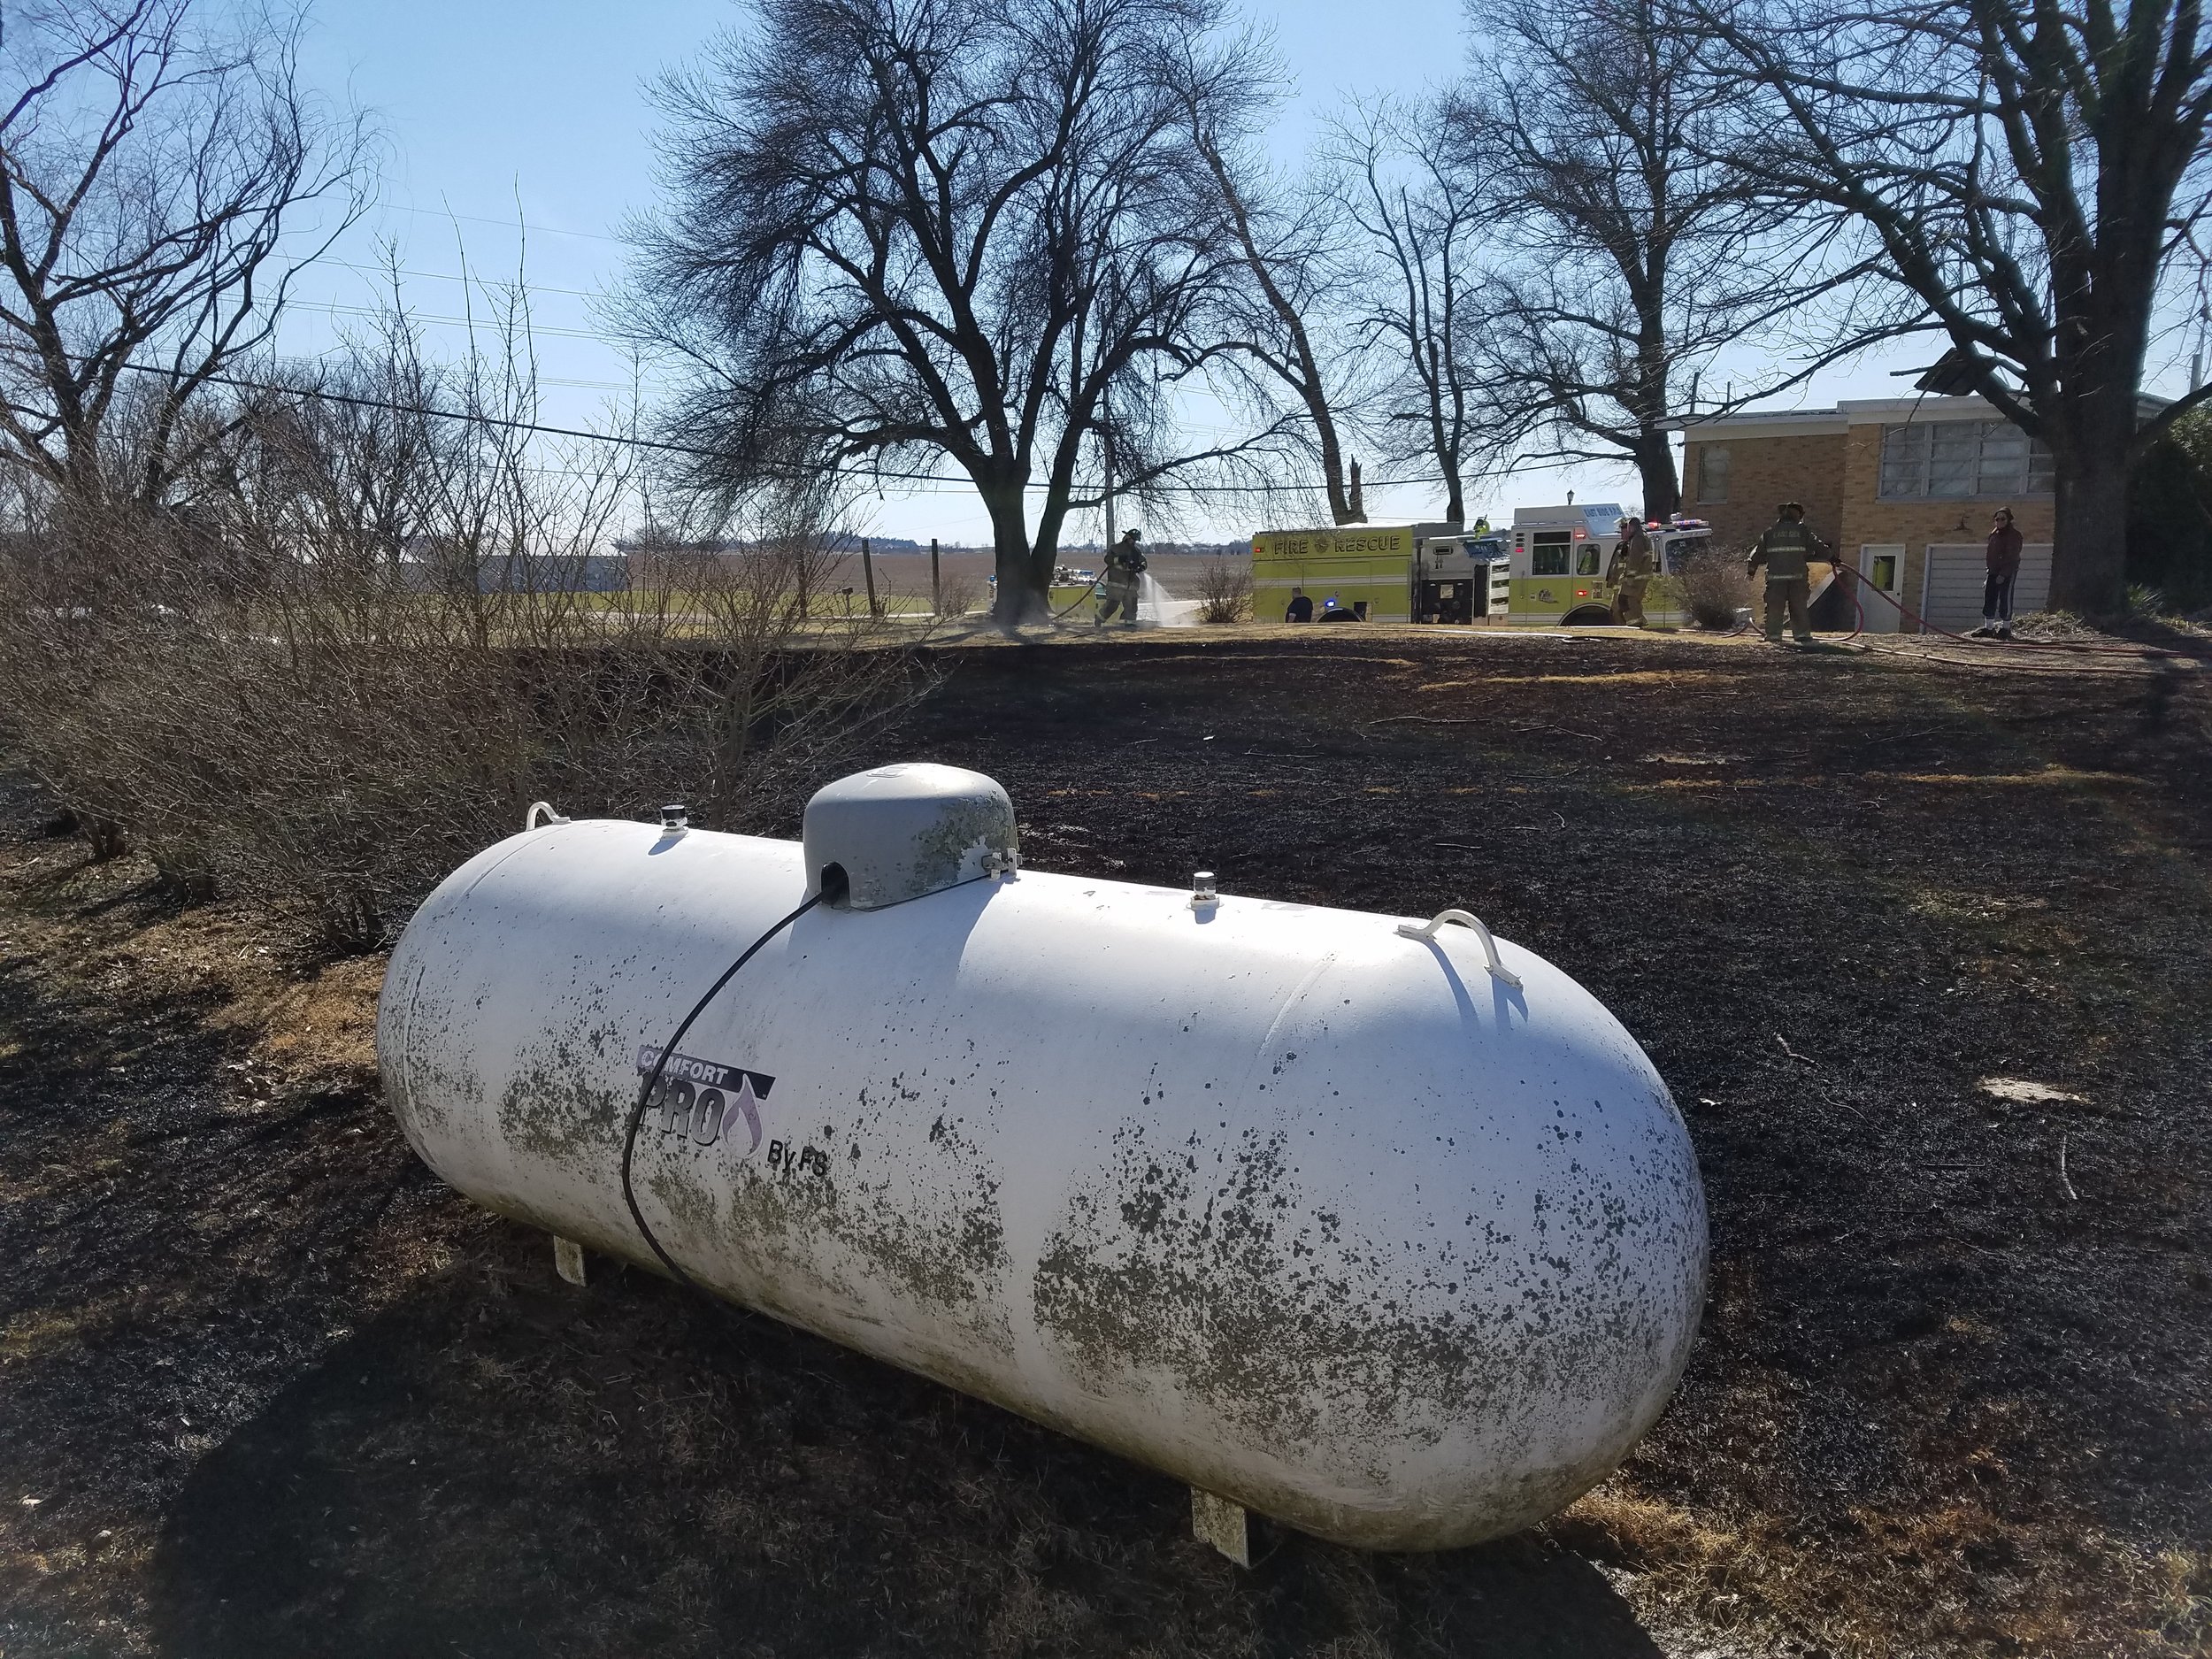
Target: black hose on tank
652,1079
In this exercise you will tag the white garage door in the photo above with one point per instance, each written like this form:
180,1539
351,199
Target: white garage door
1951,591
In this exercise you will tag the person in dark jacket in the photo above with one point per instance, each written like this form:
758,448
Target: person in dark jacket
1300,608
2003,558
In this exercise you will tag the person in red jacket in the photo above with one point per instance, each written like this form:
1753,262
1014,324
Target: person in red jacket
2003,556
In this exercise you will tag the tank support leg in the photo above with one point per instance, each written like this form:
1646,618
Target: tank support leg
1218,1522
568,1260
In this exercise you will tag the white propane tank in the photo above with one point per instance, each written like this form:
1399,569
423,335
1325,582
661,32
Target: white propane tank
1339,1218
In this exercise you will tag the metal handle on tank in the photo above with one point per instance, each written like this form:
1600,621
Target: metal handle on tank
552,815
1426,931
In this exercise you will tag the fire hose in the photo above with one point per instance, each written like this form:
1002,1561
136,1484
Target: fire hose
1926,626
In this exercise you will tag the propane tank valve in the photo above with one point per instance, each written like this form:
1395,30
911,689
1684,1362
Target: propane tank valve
675,818
1202,890
904,832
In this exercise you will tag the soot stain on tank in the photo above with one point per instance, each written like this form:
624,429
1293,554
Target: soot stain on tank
955,1260
948,1259
1194,1281
1257,1299
940,850
436,1081
552,1110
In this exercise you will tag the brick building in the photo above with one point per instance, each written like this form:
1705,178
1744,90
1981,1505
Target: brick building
1904,487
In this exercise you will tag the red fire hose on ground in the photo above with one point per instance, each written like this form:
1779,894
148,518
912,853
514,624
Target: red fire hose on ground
2079,647
1926,626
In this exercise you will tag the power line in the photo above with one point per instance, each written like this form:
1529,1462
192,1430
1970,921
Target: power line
340,309
693,449
447,276
510,224
496,420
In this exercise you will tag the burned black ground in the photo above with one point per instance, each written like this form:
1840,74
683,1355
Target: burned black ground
275,1390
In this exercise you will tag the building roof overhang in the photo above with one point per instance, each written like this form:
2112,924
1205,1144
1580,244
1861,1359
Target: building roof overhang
1857,411
1776,423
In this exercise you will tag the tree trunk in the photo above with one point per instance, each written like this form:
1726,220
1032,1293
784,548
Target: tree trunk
1019,599
1044,554
1654,465
2091,437
1341,509
2089,549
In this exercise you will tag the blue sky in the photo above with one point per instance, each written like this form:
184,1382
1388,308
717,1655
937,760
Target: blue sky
496,111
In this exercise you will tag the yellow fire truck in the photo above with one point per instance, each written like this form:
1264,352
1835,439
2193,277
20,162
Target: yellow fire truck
1382,572
1548,571
1560,557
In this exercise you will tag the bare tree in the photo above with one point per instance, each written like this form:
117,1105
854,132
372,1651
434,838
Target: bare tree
152,162
1630,248
2033,173
1418,200
963,229
1281,316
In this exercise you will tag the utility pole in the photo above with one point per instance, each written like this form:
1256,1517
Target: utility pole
1106,454
936,583
868,573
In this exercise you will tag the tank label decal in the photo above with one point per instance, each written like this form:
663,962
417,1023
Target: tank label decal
705,1099
805,1160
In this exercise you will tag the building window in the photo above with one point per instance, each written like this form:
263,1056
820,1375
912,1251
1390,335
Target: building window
1712,473
1949,459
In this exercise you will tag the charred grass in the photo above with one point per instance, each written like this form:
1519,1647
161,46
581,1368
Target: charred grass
269,1388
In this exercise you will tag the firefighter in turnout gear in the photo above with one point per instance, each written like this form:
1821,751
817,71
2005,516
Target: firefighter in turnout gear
1632,567
1125,563
1784,550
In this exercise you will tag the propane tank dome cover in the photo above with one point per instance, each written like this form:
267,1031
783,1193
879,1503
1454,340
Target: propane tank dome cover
903,831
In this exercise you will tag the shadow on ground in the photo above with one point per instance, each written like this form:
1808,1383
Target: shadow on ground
544,1471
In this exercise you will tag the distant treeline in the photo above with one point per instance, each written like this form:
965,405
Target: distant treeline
849,541
1070,551
837,542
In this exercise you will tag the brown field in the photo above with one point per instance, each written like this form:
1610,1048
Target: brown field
270,1388
907,575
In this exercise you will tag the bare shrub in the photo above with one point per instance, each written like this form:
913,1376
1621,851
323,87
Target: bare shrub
1224,591
956,596
361,659
1714,587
